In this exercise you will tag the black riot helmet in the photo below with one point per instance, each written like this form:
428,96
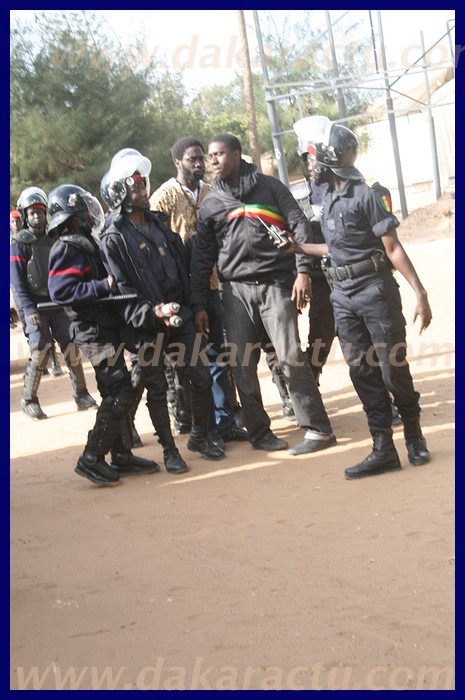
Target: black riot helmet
29,197
331,146
126,166
66,201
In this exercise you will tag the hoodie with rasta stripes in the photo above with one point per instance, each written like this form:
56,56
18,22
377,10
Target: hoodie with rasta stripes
229,232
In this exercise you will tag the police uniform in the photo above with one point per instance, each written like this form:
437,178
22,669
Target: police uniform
366,302
150,260
78,279
29,255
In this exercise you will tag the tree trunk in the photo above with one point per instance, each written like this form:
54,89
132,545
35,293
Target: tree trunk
248,90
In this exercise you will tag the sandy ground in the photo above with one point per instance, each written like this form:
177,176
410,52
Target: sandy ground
261,571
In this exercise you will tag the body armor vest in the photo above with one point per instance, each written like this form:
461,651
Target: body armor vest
37,265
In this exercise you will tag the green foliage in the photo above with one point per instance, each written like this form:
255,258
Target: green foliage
77,97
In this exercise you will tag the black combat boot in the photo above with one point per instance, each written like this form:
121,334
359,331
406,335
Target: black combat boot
29,400
126,464
383,458
91,464
417,451
203,443
174,463
80,394
93,467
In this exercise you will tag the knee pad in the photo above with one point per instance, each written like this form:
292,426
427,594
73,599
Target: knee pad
124,401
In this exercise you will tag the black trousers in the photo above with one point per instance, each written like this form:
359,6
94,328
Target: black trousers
371,329
321,333
184,347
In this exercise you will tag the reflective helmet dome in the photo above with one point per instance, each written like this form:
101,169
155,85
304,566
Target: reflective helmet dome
332,146
124,165
69,200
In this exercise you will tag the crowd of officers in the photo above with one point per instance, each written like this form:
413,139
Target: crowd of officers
157,293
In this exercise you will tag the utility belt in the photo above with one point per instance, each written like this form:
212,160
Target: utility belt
378,261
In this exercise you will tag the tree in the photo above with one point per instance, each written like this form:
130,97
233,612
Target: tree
76,99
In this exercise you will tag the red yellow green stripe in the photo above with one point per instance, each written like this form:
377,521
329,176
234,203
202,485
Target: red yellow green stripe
269,214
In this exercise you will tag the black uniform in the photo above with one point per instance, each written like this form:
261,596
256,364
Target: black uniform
29,272
366,302
78,278
151,261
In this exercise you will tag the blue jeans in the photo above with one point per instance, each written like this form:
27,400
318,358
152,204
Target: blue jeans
223,415
249,310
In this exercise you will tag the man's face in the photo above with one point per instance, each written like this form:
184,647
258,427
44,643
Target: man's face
15,224
192,164
137,194
225,162
35,218
318,174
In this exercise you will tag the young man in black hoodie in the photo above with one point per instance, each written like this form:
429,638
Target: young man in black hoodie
262,289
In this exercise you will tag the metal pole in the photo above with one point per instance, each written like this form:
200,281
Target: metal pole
432,133
392,121
451,45
340,97
271,109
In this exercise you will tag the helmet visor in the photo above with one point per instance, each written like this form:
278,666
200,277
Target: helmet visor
128,161
311,130
96,214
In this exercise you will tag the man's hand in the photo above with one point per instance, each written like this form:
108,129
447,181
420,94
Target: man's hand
113,287
160,315
302,290
201,323
423,311
34,319
293,248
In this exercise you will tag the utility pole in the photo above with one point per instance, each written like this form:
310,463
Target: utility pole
340,96
392,121
271,109
248,91
432,133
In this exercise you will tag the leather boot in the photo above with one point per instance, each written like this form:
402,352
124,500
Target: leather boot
93,467
172,459
76,373
126,464
29,400
383,458
417,451
205,445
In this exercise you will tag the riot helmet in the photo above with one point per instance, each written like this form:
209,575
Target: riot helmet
29,197
124,166
330,146
66,201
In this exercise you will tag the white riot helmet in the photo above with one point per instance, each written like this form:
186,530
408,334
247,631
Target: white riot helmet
126,166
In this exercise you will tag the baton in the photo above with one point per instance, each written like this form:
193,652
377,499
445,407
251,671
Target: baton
44,305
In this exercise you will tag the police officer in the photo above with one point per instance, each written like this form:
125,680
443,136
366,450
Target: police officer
30,250
78,279
360,233
149,259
